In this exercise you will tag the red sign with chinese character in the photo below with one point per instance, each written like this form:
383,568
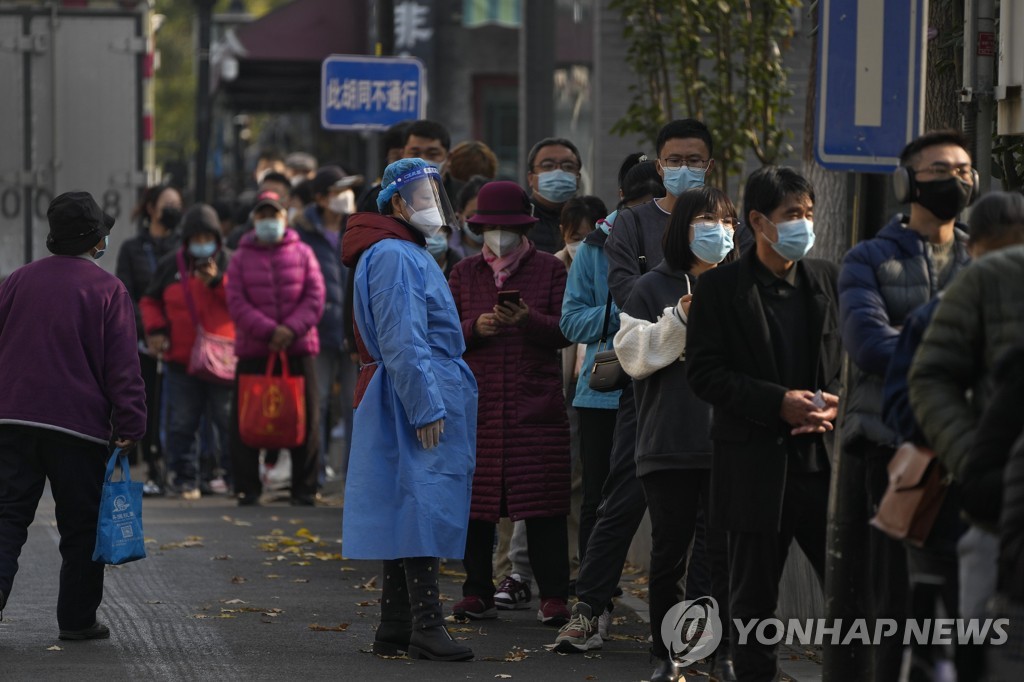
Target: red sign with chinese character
986,44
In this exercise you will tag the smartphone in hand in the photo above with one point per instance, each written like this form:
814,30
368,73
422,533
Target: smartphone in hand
510,296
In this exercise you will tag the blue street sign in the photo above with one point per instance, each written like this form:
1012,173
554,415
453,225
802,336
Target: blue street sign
871,78
371,93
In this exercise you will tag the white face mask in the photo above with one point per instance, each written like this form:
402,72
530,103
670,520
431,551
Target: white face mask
502,242
428,221
572,248
343,203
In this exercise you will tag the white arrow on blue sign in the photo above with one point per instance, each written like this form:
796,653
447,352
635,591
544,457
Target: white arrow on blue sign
371,93
871,79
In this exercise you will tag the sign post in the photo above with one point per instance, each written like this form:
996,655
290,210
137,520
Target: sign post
871,80
371,93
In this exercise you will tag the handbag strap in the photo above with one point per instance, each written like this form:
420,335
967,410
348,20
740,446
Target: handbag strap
193,313
284,364
607,318
118,457
642,256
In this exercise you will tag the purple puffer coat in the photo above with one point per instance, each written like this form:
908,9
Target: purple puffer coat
272,284
522,431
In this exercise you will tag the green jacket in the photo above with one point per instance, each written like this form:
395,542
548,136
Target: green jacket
981,316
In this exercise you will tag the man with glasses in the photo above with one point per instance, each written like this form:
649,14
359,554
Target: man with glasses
883,279
553,177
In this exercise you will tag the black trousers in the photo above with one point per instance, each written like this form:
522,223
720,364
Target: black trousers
75,468
305,457
150,445
756,561
674,498
597,428
619,515
888,580
548,544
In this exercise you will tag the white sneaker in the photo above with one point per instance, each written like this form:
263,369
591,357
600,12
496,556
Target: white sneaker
603,622
218,486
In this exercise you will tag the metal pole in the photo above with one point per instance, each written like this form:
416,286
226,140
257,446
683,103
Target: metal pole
205,16
984,82
385,28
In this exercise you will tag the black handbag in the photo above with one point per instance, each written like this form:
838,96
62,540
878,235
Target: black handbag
607,374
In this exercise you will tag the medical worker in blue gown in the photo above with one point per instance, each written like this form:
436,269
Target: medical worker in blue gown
414,432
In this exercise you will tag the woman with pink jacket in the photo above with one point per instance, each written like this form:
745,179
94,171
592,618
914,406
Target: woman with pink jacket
276,297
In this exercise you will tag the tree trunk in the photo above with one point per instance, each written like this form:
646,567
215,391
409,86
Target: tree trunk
944,74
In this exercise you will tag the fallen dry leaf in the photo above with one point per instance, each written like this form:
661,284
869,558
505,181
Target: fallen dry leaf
300,563
370,584
515,655
236,601
301,580
366,603
272,576
200,616
503,676
54,648
340,627
221,557
238,580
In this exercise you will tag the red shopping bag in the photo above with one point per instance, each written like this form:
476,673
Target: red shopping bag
272,409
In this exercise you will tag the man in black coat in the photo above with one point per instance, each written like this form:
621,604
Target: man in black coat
763,348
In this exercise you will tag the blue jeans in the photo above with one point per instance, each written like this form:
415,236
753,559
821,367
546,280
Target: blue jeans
188,399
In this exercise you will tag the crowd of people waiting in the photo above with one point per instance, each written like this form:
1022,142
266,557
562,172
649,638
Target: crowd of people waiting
459,318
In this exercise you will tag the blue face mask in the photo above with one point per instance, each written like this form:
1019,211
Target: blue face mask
711,242
556,186
99,252
796,237
472,236
437,245
678,180
269,230
202,249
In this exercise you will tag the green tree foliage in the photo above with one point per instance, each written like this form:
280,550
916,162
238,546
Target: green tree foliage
175,115
716,60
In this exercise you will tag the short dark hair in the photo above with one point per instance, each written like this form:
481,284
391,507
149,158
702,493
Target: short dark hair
469,190
577,209
641,180
684,128
675,243
998,218
932,138
628,163
551,142
304,192
274,176
430,130
270,154
768,187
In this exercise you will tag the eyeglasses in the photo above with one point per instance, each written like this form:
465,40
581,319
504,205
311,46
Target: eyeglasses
944,171
550,165
692,162
711,221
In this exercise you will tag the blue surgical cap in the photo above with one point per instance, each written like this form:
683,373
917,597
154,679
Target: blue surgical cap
388,184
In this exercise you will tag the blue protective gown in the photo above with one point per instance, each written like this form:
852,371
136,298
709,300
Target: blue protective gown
400,499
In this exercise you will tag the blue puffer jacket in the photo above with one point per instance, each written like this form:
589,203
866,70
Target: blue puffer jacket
583,306
882,281
311,232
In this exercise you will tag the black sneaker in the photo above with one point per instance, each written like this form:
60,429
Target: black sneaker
95,631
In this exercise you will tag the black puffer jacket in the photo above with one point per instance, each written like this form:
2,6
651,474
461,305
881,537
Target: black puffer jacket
981,481
1011,526
136,263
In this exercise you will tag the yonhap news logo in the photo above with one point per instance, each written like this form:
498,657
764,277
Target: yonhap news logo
692,630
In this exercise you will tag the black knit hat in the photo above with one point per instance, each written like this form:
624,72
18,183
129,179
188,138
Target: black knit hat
76,224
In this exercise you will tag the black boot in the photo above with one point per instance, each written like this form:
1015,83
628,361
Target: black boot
392,637
721,668
666,671
430,638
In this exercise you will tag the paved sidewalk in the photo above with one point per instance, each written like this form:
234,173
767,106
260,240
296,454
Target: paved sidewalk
263,593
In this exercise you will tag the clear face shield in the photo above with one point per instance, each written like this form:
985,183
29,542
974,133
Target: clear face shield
423,201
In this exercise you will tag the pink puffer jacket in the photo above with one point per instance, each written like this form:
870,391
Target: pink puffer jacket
272,284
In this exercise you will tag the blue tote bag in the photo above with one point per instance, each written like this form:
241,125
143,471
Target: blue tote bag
119,536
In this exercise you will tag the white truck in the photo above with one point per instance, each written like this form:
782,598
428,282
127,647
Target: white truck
75,114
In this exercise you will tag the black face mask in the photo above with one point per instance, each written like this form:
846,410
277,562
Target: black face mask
170,217
945,198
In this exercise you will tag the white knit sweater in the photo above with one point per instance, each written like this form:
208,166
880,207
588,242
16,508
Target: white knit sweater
645,347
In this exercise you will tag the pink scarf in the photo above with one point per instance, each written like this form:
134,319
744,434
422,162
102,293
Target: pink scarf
505,266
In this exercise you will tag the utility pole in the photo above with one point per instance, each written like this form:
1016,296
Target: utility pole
204,15
979,81
536,85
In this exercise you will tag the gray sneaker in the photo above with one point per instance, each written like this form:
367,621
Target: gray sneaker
580,634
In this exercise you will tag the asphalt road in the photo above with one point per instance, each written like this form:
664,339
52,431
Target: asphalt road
263,593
